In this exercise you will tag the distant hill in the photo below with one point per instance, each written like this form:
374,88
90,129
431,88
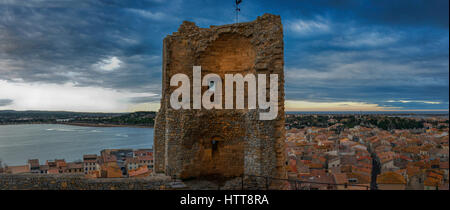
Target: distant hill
125,119
135,118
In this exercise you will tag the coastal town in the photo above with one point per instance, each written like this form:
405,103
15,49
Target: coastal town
324,152
111,163
343,157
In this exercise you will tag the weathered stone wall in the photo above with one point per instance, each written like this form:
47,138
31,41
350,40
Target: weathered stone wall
77,182
246,145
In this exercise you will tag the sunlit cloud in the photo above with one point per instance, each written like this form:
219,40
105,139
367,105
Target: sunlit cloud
361,38
108,64
413,101
298,105
68,96
309,27
157,16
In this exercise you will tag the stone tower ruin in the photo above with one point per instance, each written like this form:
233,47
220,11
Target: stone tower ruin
200,142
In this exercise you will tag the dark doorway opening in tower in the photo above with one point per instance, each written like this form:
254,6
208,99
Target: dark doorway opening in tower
215,146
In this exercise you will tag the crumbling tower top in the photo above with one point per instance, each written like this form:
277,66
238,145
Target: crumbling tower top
226,142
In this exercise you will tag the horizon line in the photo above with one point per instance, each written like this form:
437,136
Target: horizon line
118,112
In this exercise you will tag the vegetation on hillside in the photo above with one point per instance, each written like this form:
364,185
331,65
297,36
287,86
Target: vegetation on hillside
23,117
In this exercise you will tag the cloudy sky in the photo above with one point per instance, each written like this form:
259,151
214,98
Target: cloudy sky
105,55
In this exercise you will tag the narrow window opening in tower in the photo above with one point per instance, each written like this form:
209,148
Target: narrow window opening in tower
214,146
212,87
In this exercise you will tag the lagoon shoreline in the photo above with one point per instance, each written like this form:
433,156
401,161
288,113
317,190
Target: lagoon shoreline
79,124
21,142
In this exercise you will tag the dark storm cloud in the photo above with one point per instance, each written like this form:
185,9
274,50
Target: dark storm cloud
411,12
355,50
344,52
384,12
5,102
48,43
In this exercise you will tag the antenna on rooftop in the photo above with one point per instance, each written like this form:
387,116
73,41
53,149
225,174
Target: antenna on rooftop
238,10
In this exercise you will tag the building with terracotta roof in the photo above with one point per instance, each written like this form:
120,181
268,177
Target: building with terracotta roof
142,171
317,182
444,167
146,160
74,168
341,180
414,178
391,181
334,162
60,163
387,161
357,178
43,169
111,170
17,169
132,163
56,166
143,152
432,183
90,163
33,164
